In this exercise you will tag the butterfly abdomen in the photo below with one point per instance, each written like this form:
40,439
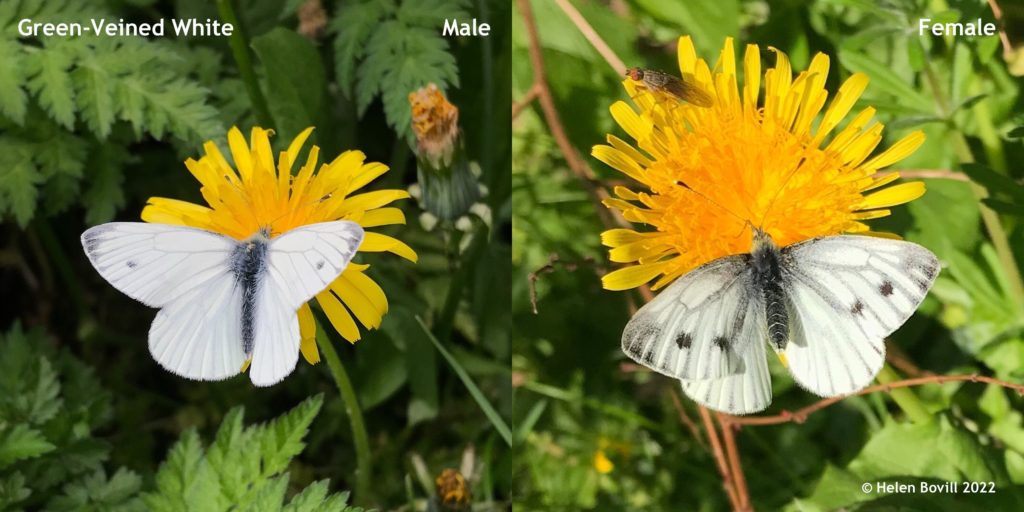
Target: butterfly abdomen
248,263
766,260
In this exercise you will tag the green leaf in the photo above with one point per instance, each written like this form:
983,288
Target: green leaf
885,79
994,182
13,490
1016,133
21,442
96,492
51,82
708,22
105,193
13,100
183,481
354,24
295,80
281,439
19,180
496,420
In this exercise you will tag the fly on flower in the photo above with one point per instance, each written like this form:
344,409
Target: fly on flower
665,83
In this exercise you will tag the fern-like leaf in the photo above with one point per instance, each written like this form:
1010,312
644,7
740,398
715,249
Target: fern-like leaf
21,442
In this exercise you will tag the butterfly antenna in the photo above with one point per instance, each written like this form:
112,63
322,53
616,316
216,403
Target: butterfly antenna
778,192
745,221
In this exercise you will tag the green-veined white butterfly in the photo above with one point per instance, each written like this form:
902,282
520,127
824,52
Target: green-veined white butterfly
825,305
222,301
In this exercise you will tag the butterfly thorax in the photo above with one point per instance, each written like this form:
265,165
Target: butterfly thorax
248,262
766,260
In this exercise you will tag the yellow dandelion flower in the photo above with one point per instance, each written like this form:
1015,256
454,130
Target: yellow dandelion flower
708,172
602,463
257,193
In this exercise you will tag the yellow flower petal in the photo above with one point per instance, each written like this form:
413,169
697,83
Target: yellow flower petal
376,242
630,277
307,334
894,195
338,316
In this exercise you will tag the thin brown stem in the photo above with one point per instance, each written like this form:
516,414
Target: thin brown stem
735,467
519,106
720,460
800,415
595,40
940,174
686,420
553,262
997,13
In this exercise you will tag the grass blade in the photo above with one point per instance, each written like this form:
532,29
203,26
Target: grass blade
481,400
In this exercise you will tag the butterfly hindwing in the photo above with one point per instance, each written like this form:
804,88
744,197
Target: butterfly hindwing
846,294
691,330
749,390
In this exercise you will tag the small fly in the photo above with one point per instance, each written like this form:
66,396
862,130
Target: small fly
682,89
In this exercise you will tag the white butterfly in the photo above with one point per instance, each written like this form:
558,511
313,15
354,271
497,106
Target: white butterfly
825,305
222,301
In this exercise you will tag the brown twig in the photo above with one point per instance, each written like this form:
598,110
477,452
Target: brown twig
720,460
997,13
800,415
895,356
686,420
942,174
527,99
735,467
588,32
549,267
547,105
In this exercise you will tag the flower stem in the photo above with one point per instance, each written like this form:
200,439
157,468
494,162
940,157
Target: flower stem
355,414
905,398
240,50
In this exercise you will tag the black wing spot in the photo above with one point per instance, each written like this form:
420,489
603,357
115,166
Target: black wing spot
923,285
886,289
320,264
131,264
857,308
722,343
930,271
684,340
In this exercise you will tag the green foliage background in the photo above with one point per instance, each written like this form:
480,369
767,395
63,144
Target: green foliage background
90,127
573,399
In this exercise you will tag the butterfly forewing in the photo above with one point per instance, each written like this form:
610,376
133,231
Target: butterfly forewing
692,329
846,294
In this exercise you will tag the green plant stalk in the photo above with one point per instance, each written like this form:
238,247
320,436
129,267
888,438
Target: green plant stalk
446,318
990,141
355,414
496,420
911,405
240,51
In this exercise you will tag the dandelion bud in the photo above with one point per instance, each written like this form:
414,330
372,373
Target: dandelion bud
447,184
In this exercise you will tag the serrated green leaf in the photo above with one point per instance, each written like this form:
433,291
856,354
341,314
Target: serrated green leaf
96,492
19,179
95,92
281,439
51,83
13,100
183,481
13,490
21,442
353,26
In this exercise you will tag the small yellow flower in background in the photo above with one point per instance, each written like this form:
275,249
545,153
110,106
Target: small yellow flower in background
602,464
766,164
435,122
256,193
